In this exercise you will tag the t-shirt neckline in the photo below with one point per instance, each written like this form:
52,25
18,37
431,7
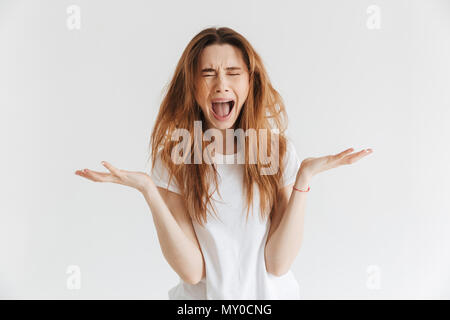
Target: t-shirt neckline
229,158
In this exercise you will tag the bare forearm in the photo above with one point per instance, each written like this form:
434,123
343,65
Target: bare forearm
284,244
182,255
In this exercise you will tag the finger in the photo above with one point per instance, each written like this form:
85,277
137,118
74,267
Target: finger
84,173
357,156
79,173
364,152
111,168
96,176
344,153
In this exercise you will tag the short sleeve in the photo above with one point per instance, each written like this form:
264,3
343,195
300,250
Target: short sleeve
160,176
291,165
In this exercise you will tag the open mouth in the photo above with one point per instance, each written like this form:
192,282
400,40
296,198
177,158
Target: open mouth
222,109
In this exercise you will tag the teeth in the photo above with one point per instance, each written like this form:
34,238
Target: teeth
223,101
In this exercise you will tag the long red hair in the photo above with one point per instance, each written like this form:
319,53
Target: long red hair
263,109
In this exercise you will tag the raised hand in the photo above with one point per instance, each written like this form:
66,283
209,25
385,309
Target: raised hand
137,180
312,166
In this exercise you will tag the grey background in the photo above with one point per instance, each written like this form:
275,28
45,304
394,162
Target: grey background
72,98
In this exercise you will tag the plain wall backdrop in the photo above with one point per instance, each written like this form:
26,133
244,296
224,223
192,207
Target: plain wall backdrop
353,73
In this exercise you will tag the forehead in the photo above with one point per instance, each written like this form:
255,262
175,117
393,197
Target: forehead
220,55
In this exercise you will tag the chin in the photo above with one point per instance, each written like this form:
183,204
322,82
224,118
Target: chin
223,125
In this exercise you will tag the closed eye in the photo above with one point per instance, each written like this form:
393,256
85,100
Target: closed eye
230,74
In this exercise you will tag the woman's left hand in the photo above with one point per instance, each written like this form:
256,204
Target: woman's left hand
312,166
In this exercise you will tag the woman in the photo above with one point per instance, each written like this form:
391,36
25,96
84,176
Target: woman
229,229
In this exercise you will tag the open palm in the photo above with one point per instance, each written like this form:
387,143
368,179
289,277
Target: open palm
313,165
134,179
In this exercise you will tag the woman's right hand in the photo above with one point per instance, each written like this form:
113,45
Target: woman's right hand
133,179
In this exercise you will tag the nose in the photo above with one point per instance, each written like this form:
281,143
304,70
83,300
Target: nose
221,84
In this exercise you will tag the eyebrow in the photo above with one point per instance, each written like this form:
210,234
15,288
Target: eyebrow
213,70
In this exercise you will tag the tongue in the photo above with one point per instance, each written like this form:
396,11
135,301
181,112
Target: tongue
221,108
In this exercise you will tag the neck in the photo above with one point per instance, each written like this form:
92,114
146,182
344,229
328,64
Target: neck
225,141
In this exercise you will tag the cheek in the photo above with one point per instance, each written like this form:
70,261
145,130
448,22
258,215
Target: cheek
243,89
202,93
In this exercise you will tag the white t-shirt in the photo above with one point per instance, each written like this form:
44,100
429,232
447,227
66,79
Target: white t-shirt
233,250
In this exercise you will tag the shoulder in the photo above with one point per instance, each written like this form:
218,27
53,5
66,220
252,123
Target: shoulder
160,175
